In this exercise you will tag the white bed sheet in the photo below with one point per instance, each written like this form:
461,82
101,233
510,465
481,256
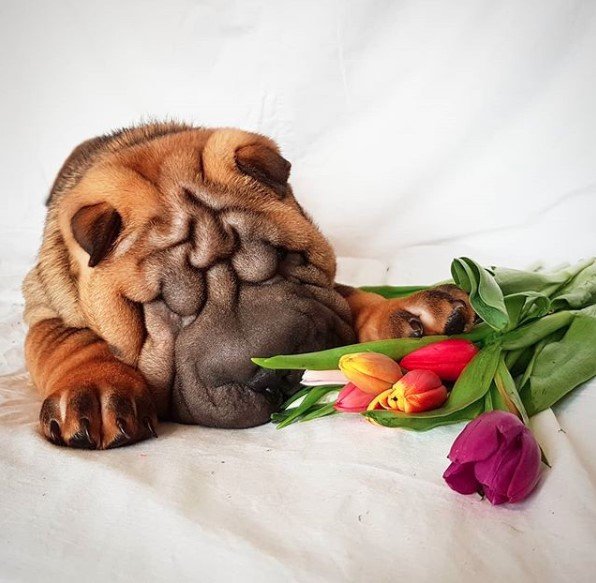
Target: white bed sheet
332,500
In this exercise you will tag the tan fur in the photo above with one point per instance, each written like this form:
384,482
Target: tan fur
376,318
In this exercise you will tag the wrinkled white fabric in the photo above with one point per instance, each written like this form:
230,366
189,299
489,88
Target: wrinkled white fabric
418,131
332,500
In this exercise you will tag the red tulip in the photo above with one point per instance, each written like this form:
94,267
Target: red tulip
417,391
495,455
447,358
352,400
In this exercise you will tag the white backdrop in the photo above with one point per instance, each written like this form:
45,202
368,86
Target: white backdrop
418,130
409,123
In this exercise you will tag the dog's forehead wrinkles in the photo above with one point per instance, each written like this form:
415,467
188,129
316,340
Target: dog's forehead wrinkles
198,253
213,241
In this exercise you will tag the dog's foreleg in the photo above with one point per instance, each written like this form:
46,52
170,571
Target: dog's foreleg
441,310
91,399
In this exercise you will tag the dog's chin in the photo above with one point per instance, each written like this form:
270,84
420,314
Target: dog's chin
230,406
215,382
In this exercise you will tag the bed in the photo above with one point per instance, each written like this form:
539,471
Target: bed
331,500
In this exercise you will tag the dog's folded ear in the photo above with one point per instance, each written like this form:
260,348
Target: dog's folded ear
265,165
96,228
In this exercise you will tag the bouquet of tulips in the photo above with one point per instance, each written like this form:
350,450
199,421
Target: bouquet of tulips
534,342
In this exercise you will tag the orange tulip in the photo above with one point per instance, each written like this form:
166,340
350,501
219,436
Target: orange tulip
371,372
416,391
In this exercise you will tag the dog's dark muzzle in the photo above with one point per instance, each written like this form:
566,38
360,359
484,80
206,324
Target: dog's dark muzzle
217,385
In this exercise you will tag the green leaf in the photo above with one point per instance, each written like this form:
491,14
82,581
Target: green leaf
279,416
535,331
514,281
313,396
488,402
536,306
514,304
395,348
328,359
579,292
320,411
298,395
418,423
536,350
563,365
517,360
486,296
316,411
390,291
522,306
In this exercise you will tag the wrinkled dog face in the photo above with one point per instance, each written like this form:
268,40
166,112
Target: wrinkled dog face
210,261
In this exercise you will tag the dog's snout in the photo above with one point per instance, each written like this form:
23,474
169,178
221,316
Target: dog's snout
216,383
276,385
268,380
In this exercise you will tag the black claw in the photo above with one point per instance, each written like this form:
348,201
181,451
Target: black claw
82,439
456,322
56,437
85,424
150,427
122,427
118,441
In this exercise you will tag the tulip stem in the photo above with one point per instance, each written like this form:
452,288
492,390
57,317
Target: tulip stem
508,390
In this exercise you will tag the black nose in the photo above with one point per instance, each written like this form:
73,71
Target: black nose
276,384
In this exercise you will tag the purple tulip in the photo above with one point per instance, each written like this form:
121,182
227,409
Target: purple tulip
495,455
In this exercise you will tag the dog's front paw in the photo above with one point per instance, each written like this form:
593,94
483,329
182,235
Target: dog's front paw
100,415
444,309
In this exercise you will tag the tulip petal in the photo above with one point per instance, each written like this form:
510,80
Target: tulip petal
476,442
461,478
366,383
495,473
418,402
495,498
447,358
506,422
417,391
417,381
527,473
371,372
312,378
352,400
380,399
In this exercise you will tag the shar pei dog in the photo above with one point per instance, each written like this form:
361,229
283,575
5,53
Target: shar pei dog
171,255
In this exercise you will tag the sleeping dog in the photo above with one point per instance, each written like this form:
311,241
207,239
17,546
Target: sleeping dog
171,255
